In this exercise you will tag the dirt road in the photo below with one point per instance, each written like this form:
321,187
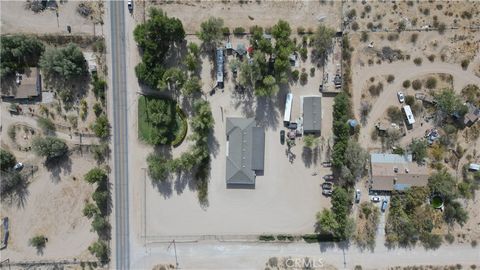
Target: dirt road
402,71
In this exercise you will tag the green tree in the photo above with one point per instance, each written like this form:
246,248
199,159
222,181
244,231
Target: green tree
49,147
38,241
173,80
17,53
96,175
100,250
155,38
449,103
211,32
158,167
418,148
90,210
322,41
101,127
101,197
100,224
192,86
443,183
356,159
454,212
250,73
326,222
61,66
310,141
7,160
268,88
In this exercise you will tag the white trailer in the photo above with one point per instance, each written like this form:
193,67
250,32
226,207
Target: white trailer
288,108
408,113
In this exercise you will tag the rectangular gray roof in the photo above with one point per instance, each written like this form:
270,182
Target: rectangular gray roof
312,114
246,150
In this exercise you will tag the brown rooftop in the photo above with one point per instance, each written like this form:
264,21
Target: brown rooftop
24,86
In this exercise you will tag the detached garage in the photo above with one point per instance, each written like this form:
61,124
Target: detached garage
312,114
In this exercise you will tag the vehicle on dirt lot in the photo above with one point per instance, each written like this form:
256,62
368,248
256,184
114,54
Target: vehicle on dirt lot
328,177
327,192
282,136
375,199
327,186
384,205
327,164
357,196
18,166
130,5
401,97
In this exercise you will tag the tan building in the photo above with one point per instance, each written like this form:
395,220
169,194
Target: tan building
395,172
25,86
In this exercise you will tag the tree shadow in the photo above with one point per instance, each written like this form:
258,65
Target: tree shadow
57,166
213,144
164,188
266,113
307,156
245,99
16,195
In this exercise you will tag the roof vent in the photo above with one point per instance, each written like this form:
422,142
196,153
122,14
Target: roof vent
395,170
406,170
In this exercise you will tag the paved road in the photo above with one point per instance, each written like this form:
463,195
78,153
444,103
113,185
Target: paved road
120,129
224,255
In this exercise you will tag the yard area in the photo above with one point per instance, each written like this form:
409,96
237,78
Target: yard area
160,116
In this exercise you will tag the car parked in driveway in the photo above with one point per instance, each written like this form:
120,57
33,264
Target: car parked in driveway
375,199
401,97
130,5
327,192
357,196
327,185
384,205
18,166
328,177
327,164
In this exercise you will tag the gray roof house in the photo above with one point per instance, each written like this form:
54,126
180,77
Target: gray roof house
312,114
245,151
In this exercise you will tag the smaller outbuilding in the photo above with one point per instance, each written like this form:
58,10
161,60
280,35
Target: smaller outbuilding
219,62
312,114
26,86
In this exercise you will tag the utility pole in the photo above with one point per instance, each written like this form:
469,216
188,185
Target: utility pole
175,249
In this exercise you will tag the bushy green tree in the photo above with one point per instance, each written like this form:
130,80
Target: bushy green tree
418,148
100,250
326,222
211,32
268,87
443,183
155,38
100,224
46,124
101,127
449,103
322,41
49,147
90,210
62,65
96,175
356,159
7,160
10,181
17,53
38,241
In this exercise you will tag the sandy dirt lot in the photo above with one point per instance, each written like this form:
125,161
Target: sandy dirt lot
263,13
52,206
44,22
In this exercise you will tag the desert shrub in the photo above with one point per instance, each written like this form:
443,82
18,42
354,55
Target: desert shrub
392,37
395,114
267,237
355,26
465,64
226,31
238,31
431,83
417,61
301,30
375,90
390,78
414,37
410,100
303,77
441,28
46,124
416,84
431,57
295,75
406,83
364,37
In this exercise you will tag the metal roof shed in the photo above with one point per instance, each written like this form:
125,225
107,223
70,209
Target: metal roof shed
312,114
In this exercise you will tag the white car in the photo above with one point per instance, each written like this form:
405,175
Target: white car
357,196
18,166
375,199
401,97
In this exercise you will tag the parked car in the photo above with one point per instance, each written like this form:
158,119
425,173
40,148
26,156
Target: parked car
282,136
18,166
327,185
357,196
327,164
384,205
328,177
401,97
130,5
292,125
375,199
327,192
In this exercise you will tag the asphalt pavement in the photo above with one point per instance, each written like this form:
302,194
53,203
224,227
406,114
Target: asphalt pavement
120,136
